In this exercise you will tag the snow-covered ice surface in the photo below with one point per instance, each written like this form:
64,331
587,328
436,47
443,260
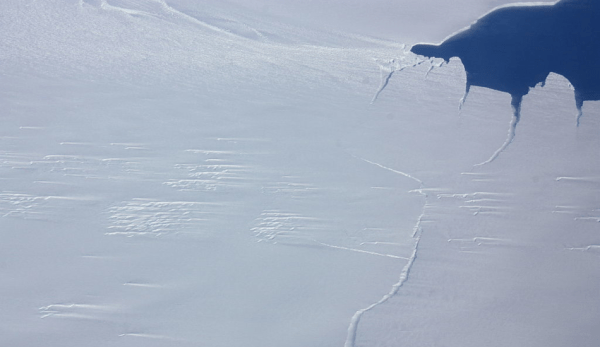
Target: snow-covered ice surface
508,254
192,173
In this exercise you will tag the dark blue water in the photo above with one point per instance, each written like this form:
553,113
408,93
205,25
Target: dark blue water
513,48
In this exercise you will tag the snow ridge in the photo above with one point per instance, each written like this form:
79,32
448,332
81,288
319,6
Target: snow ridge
417,231
165,11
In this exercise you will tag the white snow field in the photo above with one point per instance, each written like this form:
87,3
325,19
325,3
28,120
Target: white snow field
197,173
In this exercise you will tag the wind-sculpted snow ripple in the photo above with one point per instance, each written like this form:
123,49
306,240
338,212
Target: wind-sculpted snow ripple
35,207
212,177
282,226
580,211
140,217
108,161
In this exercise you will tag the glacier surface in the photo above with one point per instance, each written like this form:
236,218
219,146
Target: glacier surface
190,173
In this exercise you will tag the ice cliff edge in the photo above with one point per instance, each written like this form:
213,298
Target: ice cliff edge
515,47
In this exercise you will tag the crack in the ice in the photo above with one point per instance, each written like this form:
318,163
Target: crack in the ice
384,82
354,322
358,250
516,105
417,232
274,224
391,170
432,66
462,101
392,66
